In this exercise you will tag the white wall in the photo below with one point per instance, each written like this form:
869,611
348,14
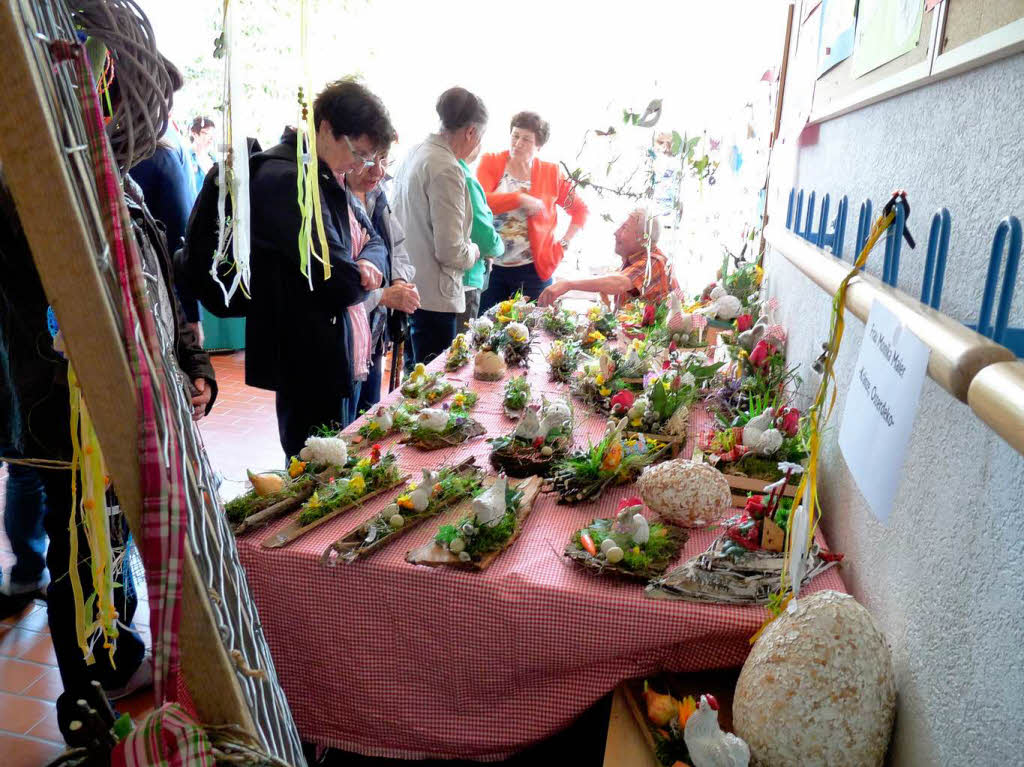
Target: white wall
945,577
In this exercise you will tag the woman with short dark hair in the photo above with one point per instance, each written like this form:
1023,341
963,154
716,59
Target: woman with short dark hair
433,204
523,191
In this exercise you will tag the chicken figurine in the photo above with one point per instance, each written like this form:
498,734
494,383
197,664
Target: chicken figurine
528,427
555,415
489,506
677,321
383,419
708,745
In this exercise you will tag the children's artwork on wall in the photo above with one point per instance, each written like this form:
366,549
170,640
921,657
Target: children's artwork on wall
886,30
838,24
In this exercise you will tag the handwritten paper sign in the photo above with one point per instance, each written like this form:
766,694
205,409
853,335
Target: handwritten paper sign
881,406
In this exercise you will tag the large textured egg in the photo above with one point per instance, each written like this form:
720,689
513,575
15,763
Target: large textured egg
685,493
817,687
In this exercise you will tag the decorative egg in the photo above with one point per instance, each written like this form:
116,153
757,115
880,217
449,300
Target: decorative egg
488,366
827,667
457,545
685,493
546,451
614,555
396,521
608,543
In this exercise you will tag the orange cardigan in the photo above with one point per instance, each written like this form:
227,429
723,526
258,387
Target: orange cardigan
551,187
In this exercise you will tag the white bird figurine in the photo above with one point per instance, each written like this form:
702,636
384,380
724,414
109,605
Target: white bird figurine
383,419
677,320
483,326
757,426
716,292
432,419
769,442
727,307
708,745
489,506
529,424
420,497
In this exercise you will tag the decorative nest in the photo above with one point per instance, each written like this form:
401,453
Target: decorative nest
516,354
522,460
602,566
447,438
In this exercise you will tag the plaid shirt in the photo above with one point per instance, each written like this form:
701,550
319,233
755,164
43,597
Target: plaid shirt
661,282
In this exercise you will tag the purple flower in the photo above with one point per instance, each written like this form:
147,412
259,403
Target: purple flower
445,406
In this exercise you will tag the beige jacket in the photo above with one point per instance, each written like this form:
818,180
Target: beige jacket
432,203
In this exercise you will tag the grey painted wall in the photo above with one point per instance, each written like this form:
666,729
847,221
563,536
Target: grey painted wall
944,577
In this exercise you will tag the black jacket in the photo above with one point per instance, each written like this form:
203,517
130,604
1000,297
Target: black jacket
297,337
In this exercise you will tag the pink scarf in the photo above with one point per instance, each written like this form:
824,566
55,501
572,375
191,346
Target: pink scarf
357,313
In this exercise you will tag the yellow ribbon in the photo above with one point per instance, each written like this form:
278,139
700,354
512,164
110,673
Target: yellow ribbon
807,490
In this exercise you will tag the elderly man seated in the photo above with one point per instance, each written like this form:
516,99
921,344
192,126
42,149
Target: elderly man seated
632,280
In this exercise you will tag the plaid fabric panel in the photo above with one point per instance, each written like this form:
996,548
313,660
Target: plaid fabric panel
168,737
395,660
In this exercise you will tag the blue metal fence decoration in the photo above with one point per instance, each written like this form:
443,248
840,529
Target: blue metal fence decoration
935,261
1009,238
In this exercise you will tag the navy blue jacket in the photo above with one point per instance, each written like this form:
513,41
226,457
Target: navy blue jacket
299,338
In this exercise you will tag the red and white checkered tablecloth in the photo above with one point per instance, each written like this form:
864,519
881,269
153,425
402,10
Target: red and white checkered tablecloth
390,659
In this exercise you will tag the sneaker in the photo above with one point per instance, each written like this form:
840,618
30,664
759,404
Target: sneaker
140,680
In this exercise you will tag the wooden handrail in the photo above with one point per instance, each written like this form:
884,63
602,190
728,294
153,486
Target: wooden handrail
997,397
957,352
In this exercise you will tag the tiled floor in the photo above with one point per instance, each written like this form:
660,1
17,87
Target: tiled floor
240,432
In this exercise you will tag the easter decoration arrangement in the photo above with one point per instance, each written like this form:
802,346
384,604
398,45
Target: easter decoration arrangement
382,420
663,409
488,366
514,309
458,353
542,436
563,358
561,323
516,396
629,545
734,295
437,491
430,388
614,460
276,493
435,428
475,537
514,343
744,564
684,730
368,477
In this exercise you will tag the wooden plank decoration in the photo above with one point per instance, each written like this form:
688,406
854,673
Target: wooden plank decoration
285,506
296,529
36,168
741,486
353,546
433,555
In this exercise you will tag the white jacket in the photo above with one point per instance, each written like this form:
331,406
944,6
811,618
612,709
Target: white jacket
432,203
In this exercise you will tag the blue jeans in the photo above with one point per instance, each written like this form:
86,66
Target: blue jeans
432,333
24,510
506,280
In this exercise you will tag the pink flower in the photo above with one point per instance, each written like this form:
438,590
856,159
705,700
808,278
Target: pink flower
648,315
744,322
788,421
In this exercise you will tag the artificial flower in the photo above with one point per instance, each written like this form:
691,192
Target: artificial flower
375,453
790,468
459,400
604,391
599,379
314,501
296,467
357,484
744,322
404,501
518,332
596,336
755,506
594,313
648,315
363,464
622,401
788,421
505,307
687,706
761,354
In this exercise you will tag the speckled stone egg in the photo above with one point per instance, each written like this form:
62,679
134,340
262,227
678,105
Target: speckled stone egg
685,493
817,687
